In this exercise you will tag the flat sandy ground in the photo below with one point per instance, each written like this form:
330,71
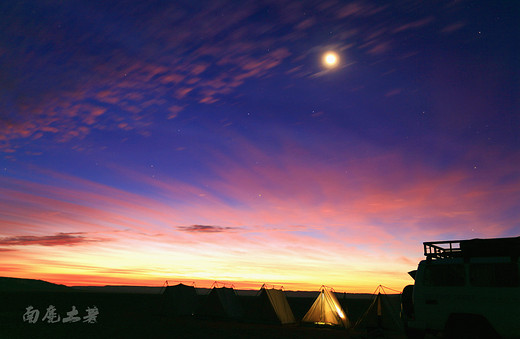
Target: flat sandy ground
140,316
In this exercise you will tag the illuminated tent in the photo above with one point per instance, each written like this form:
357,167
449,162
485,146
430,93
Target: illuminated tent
179,300
221,302
272,306
326,310
381,314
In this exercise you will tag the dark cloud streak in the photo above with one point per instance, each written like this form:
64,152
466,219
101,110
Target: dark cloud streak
60,239
206,229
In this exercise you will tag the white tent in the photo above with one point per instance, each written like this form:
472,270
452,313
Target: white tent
326,310
222,302
381,314
179,300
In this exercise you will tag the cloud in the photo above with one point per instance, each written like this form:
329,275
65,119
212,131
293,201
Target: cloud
206,229
97,78
59,239
453,27
123,89
414,24
359,195
393,92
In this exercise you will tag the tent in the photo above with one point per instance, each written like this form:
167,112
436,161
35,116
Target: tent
381,314
272,307
326,310
179,300
221,302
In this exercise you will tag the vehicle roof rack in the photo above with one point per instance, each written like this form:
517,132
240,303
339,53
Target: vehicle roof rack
495,247
442,249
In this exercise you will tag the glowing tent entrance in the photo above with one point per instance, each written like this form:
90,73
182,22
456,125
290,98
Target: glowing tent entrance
326,310
272,307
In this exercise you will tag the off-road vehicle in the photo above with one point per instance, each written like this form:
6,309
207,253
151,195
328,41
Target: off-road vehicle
465,289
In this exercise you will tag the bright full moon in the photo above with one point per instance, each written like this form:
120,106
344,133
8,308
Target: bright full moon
330,59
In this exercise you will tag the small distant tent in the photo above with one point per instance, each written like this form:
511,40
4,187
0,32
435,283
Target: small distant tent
381,314
326,310
272,307
179,300
221,302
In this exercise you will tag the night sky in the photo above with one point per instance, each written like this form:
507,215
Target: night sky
144,141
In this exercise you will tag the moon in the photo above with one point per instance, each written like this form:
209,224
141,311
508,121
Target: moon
330,59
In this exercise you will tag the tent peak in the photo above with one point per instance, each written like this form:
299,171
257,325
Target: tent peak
222,284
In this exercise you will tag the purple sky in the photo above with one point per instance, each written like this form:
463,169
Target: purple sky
196,129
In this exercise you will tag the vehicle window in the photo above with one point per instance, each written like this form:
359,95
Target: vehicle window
494,275
444,275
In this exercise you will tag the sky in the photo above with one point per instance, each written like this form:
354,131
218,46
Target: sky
144,141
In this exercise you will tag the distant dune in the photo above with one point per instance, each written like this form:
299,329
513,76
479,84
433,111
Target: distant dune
141,312
120,289
16,284
205,291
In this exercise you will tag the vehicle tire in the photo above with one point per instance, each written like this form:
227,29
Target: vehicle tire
413,333
468,326
407,302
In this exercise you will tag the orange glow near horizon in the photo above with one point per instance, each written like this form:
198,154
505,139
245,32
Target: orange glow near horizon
86,280
95,266
350,232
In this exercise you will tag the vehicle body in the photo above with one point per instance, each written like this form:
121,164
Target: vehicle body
465,289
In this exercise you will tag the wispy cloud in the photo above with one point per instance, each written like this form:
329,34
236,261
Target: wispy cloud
167,66
453,27
206,229
414,24
60,239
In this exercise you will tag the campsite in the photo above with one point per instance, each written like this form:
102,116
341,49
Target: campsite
182,311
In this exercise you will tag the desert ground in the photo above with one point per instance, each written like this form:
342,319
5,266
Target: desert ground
140,315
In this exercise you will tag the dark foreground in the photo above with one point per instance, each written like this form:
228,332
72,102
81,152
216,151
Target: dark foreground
140,316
